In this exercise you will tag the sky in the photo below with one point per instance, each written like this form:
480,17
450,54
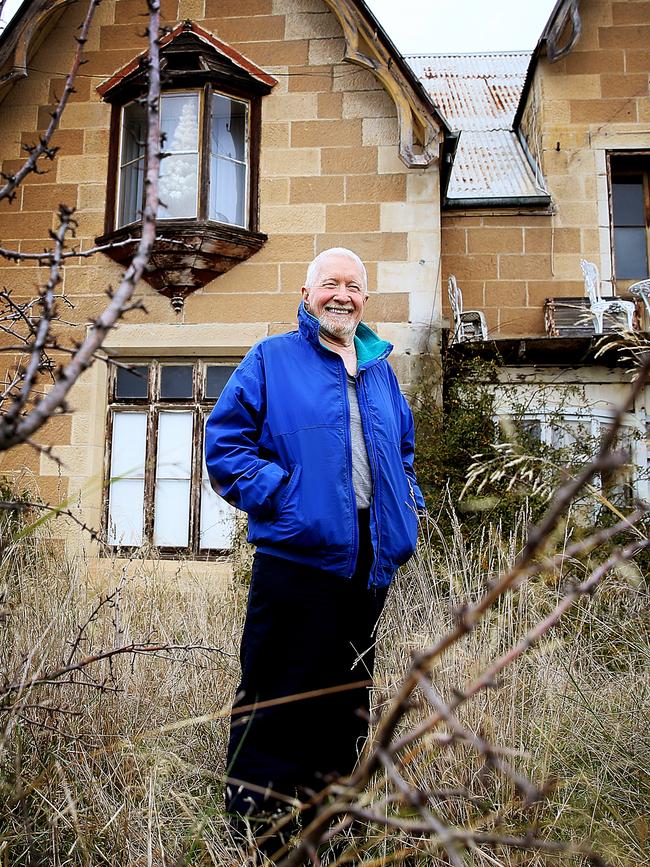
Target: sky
447,26
8,10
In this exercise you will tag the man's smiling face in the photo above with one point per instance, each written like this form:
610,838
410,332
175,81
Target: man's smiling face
338,296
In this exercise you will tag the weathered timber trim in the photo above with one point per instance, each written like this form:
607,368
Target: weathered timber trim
420,137
19,39
557,28
186,254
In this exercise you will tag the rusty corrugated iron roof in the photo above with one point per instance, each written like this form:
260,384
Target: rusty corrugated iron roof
479,95
474,91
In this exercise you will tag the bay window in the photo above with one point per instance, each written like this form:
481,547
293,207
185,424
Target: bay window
210,117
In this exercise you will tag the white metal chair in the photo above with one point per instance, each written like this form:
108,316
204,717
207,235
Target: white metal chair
468,324
598,305
641,289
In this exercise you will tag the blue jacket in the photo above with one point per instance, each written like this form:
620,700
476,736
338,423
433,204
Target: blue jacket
278,446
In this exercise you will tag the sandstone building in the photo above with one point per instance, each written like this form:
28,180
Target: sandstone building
291,128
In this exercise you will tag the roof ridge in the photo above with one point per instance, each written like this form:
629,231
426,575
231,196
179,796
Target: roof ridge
470,53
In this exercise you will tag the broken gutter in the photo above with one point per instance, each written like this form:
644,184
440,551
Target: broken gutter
541,202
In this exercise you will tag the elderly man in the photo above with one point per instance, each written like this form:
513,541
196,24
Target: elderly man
314,440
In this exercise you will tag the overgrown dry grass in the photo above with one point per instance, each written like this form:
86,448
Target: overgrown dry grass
126,774
574,710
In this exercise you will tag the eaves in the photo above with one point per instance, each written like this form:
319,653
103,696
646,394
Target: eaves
560,34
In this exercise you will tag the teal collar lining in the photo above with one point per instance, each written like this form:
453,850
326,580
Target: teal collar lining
369,345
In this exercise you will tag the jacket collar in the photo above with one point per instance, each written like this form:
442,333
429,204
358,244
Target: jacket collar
370,347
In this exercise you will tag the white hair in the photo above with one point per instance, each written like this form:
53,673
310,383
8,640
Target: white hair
313,271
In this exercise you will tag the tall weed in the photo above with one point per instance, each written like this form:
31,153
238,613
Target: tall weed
126,768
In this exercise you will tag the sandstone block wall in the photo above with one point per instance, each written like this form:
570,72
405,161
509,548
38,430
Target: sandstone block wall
330,176
594,101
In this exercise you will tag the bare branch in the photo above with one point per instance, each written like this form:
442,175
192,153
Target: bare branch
45,257
413,827
47,301
134,647
51,512
418,800
14,432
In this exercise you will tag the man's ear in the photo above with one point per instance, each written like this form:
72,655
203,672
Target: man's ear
305,294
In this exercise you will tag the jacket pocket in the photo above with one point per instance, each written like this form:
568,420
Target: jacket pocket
288,491
285,524
399,508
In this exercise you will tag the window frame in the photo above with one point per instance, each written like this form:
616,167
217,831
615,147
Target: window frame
632,477
206,91
619,165
153,404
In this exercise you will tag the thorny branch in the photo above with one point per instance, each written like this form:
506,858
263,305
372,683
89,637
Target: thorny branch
80,665
50,511
342,801
45,258
532,793
20,423
432,824
66,223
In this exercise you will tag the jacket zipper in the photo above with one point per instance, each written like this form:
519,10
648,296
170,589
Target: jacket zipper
372,455
348,445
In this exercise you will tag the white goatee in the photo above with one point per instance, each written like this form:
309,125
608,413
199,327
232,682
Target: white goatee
332,324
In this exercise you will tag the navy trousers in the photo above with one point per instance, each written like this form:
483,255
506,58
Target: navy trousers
305,630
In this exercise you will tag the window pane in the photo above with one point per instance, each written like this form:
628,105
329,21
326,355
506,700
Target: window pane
217,376
217,519
179,120
228,160
134,131
126,492
227,191
129,445
133,383
627,202
125,512
173,473
178,186
172,513
131,193
631,252
572,433
532,428
618,483
174,458
175,381
228,128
